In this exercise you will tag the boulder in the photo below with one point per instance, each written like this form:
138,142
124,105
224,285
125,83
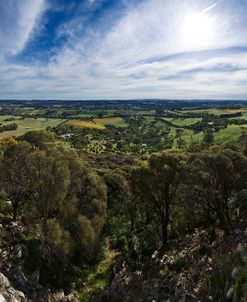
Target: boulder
230,294
8,293
57,296
20,251
73,297
2,299
235,272
4,281
12,295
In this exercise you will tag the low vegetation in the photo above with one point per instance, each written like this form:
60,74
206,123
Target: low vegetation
144,212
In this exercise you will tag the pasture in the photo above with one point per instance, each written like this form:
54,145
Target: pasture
230,134
181,122
28,124
115,121
86,124
216,111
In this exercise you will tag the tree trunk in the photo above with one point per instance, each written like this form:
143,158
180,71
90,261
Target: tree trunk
132,219
224,221
14,211
164,235
164,223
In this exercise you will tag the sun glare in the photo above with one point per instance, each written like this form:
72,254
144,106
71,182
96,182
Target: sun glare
197,30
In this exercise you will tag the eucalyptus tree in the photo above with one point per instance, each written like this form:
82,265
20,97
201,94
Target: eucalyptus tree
156,182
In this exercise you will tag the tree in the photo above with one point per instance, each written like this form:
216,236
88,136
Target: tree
14,173
49,179
157,183
63,199
211,180
63,188
208,138
38,138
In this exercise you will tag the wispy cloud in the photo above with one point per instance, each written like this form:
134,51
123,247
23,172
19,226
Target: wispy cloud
133,49
17,24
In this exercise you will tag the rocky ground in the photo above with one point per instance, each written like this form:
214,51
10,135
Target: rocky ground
200,267
203,266
15,286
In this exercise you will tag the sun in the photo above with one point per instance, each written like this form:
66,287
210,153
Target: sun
197,30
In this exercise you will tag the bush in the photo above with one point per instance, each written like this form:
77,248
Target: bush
5,207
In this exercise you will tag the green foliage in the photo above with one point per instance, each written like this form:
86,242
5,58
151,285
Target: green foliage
217,285
38,138
157,183
70,203
5,207
208,138
241,277
211,181
54,191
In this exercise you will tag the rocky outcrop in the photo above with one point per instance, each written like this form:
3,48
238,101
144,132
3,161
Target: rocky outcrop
8,293
15,286
184,272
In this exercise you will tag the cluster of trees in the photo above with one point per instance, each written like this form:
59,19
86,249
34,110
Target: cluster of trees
141,134
172,193
212,123
8,127
71,205
59,198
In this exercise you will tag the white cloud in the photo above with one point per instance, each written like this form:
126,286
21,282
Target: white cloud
122,64
18,20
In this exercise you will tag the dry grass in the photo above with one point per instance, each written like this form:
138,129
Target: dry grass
235,110
79,123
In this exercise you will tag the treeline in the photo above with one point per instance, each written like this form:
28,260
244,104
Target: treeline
70,204
173,193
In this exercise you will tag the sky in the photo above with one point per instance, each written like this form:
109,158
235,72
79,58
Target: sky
123,49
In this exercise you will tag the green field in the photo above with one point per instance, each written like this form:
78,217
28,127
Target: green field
91,120
243,117
187,135
115,121
4,117
216,111
28,124
94,113
38,112
230,134
180,122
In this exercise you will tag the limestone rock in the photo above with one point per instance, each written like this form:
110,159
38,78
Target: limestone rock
230,294
4,281
8,293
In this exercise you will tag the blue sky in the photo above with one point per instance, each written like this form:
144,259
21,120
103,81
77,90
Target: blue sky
120,49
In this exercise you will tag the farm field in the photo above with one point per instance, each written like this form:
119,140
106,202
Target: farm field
131,112
85,124
138,128
216,111
229,134
28,124
94,113
187,135
4,117
182,121
243,117
115,121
